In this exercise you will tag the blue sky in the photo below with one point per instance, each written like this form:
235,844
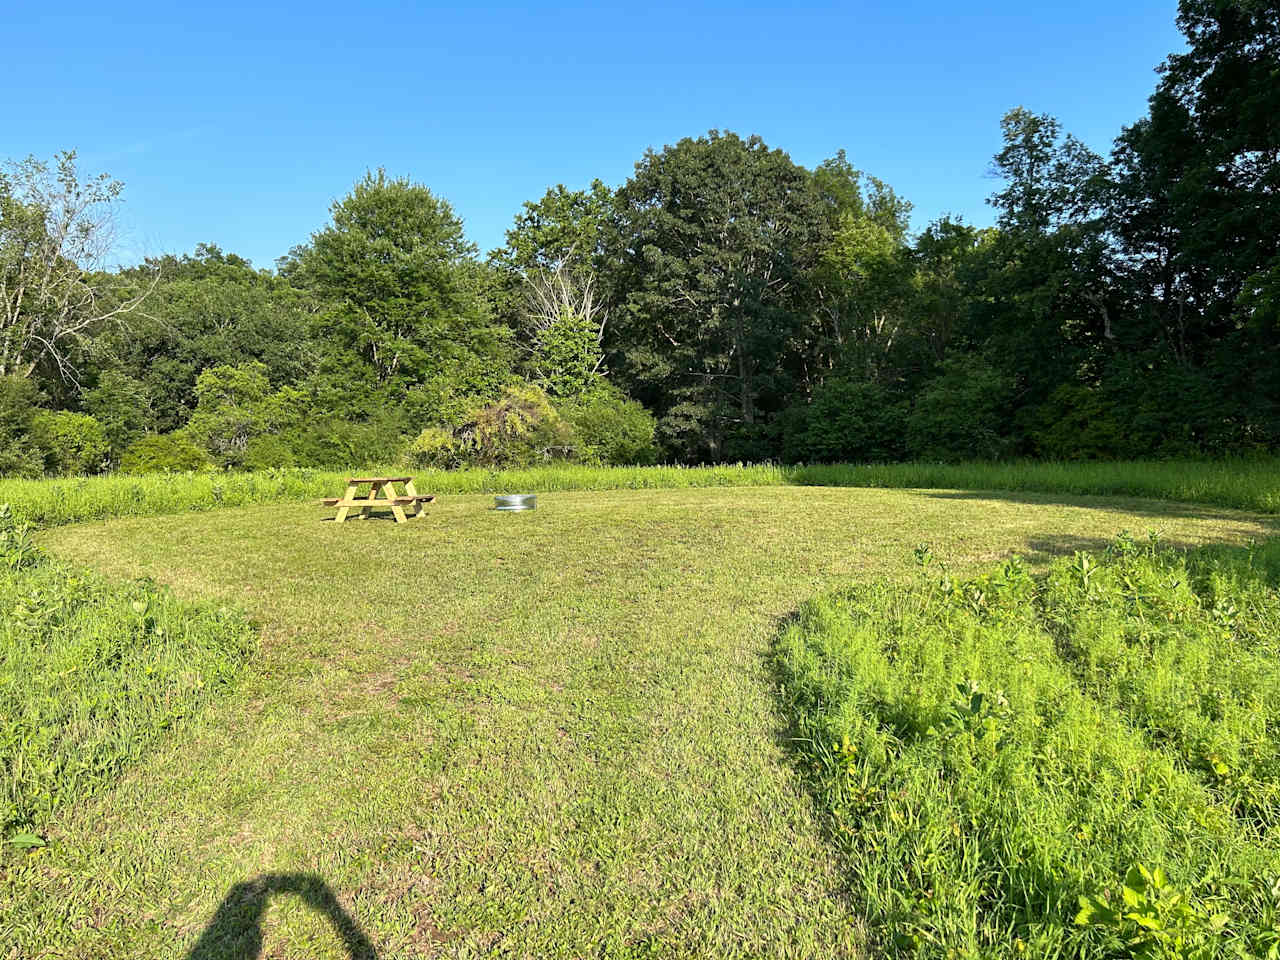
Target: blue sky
239,124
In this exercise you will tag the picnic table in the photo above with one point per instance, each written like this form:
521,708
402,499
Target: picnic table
403,507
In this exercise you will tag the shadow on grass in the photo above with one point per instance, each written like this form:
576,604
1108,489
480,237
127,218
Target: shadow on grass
1113,503
235,932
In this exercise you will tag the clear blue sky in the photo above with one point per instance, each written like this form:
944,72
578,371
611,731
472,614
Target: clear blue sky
239,124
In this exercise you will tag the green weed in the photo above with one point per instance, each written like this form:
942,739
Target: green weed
91,672
1009,744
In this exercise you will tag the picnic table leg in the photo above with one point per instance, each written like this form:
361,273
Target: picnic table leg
415,508
396,510
367,512
342,511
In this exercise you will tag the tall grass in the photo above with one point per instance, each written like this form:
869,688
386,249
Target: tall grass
990,752
1245,484
91,674
1252,484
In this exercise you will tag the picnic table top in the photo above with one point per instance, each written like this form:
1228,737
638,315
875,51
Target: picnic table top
379,479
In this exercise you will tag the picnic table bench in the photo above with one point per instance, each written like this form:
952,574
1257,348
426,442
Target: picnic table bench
403,507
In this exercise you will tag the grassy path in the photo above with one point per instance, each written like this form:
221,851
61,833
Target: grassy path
546,734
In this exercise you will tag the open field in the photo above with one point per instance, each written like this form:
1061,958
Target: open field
1252,485
545,734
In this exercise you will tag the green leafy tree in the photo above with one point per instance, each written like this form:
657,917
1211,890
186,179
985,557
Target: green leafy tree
404,304
236,406
209,308
563,331
564,226
713,243
862,284
123,407
1196,209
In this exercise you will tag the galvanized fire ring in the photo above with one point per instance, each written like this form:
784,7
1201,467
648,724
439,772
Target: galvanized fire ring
515,501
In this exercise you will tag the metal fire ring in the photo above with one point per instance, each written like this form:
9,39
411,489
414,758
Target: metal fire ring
516,501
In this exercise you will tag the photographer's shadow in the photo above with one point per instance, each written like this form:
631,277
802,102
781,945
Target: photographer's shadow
235,932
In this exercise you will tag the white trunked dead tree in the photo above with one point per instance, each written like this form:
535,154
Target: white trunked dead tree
565,318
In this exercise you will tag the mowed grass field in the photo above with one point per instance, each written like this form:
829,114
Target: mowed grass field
555,733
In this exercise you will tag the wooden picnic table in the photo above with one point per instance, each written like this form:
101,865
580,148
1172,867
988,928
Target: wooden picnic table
403,507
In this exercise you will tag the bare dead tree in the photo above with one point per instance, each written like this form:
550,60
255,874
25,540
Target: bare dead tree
563,291
55,233
562,305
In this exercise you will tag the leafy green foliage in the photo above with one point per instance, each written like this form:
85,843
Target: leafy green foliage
434,447
983,774
123,407
235,407
19,455
1155,920
207,309
609,428
713,237
845,421
520,428
960,414
392,269
72,443
164,453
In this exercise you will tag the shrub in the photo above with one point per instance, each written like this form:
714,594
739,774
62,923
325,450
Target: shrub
520,428
72,443
19,455
434,447
267,452
164,453
611,428
1076,423
960,414
334,442
845,421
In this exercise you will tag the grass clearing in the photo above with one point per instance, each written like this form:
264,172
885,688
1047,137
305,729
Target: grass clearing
990,751
543,734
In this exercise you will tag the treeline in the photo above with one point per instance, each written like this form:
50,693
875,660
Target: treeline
723,304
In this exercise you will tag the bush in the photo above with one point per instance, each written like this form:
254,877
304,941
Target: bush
846,421
611,428
960,414
266,453
19,455
164,453
1076,423
334,442
72,443
434,448
520,428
